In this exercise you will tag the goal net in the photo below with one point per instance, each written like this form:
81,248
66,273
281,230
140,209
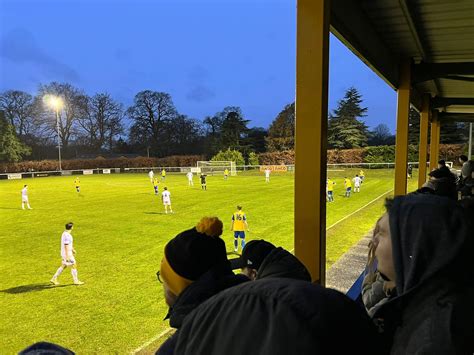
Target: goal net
216,167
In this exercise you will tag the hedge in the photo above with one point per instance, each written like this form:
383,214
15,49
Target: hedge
140,162
376,154
379,154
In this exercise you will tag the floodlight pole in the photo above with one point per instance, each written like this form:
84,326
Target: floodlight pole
59,138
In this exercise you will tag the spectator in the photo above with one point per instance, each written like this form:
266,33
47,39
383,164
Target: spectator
278,316
45,348
261,259
194,268
444,183
375,290
425,246
466,178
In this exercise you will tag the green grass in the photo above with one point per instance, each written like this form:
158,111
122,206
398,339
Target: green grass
120,232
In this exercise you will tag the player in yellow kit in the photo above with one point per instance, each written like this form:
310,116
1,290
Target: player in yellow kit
226,174
163,174
239,226
348,186
77,183
330,190
155,185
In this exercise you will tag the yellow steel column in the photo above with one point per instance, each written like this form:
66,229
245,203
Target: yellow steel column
312,60
401,143
423,146
434,140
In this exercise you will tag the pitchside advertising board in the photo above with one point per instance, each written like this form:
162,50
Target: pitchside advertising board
14,176
105,171
276,168
88,172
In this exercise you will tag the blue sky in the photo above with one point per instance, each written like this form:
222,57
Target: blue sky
207,54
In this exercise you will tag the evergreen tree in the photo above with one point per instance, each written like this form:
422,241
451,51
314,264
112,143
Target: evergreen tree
11,149
345,130
413,127
453,132
233,129
281,134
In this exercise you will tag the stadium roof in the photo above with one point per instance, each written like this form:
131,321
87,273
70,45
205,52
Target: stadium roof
437,35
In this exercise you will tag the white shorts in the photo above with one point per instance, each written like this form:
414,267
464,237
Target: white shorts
69,262
167,202
24,199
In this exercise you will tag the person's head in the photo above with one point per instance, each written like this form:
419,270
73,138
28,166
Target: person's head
45,348
357,175
25,185
422,236
69,226
252,257
383,246
372,247
190,255
239,208
165,188
463,159
441,163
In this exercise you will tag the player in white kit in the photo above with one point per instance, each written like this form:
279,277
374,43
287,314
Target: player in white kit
67,255
166,198
24,198
357,181
151,175
267,175
190,178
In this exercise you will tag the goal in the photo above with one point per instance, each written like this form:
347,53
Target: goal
217,167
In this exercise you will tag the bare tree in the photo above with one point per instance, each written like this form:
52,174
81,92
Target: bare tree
74,108
103,121
18,108
150,112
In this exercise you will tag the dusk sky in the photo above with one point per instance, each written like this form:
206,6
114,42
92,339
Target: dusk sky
207,54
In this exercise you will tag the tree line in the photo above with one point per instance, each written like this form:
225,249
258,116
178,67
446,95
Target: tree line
152,126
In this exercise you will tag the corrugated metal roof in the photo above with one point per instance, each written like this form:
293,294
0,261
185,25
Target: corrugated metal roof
429,31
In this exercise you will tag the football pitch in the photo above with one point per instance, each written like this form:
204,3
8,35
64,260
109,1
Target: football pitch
119,234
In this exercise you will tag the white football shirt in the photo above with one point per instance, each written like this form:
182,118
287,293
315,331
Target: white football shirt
357,181
24,192
190,176
151,174
66,239
267,173
166,196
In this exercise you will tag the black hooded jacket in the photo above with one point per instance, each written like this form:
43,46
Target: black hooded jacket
432,245
281,263
277,316
209,284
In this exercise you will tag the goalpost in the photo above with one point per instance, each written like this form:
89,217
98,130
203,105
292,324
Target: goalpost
211,167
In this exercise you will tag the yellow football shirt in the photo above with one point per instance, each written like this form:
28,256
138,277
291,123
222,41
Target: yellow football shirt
77,182
239,218
331,185
347,183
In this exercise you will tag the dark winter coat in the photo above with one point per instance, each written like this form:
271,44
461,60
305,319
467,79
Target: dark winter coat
281,263
277,316
432,243
199,291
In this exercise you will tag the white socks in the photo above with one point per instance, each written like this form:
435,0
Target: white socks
58,272
74,275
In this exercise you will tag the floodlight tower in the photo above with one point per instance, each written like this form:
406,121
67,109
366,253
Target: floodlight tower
56,103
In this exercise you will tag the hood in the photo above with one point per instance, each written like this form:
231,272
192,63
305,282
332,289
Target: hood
209,284
281,263
430,235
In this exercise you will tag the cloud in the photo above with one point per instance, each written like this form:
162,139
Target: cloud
21,47
200,93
